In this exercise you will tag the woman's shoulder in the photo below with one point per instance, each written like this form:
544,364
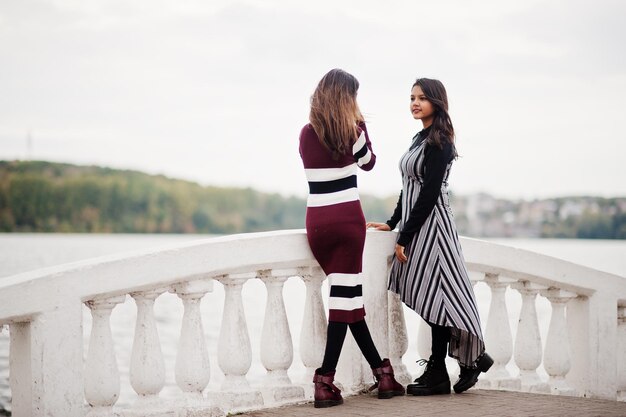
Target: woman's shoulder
446,148
307,132
307,128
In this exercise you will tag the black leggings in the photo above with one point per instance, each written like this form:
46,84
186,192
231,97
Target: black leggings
441,337
334,342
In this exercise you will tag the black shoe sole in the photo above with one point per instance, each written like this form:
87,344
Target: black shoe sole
439,389
385,395
483,365
327,403
465,386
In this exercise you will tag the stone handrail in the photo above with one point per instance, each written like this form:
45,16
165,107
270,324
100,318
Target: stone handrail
51,375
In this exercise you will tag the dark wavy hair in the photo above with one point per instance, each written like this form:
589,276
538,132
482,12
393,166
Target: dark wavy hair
441,130
335,113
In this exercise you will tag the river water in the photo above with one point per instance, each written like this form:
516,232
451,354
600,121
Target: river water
24,252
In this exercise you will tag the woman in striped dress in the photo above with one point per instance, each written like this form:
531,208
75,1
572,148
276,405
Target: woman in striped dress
428,270
333,146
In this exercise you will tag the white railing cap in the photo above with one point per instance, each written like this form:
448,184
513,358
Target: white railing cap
248,253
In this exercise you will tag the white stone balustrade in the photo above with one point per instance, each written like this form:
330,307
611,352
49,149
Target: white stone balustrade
147,367
528,350
234,351
276,343
621,347
498,338
193,368
556,359
424,340
102,376
314,325
398,338
583,353
46,362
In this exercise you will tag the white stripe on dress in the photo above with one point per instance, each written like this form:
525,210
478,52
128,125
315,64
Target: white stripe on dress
330,174
342,303
347,280
360,142
343,196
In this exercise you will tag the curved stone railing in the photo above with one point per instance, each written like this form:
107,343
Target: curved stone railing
51,375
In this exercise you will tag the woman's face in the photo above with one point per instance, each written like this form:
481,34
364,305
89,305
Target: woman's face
421,108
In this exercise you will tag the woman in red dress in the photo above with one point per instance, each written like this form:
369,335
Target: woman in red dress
333,146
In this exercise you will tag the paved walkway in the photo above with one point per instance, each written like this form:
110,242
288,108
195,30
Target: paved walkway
479,403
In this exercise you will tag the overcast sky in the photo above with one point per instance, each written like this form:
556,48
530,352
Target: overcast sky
217,91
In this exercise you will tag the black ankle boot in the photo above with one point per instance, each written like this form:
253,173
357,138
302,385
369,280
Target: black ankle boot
469,376
433,381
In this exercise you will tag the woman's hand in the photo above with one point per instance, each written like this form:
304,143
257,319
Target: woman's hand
400,253
378,226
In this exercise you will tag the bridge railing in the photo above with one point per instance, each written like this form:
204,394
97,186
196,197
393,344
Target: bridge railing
50,374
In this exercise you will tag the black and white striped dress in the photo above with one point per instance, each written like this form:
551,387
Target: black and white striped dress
434,281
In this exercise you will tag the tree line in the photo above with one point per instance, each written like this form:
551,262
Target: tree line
40,196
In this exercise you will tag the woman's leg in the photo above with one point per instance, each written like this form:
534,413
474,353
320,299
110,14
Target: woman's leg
336,334
363,338
435,379
326,393
387,385
440,340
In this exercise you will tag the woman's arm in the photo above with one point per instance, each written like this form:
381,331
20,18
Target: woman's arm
397,214
362,149
436,161
391,223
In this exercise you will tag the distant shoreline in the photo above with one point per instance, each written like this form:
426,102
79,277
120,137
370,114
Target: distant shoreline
49,197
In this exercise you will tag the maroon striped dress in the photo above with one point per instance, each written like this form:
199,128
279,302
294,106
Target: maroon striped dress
335,224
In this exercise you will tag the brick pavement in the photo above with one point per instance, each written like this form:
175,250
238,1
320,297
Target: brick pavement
478,403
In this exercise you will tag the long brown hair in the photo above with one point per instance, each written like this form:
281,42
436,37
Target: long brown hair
441,130
334,111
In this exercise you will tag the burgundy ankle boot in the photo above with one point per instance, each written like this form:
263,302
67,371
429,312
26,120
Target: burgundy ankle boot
387,385
326,393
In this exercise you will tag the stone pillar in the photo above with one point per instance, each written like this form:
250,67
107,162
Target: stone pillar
528,349
46,364
424,339
102,376
621,358
498,338
192,369
314,325
398,338
556,358
276,343
147,367
234,352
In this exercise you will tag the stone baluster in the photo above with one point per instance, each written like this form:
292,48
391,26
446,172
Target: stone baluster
621,359
498,338
276,342
192,369
454,369
102,376
424,339
528,350
398,338
314,325
556,358
147,367
234,352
